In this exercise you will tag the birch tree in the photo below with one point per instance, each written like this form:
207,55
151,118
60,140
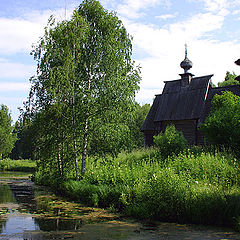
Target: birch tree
85,70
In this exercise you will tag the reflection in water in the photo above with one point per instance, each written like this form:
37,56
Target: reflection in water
6,195
2,224
19,224
58,224
23,193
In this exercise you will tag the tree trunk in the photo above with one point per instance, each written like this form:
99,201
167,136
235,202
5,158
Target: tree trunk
62,155
59,162
75,147
74,136
85,142
76,160
74,123
85,137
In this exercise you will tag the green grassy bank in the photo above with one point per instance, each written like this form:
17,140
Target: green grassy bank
195,187
17,165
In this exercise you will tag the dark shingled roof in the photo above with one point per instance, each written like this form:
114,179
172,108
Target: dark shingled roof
178,102
149,121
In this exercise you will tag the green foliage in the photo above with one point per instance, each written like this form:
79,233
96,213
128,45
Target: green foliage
7,138
24,146
103,195
17,165
229,80
85,75
135,123
210,167
110,139
222,125
195,186
170,142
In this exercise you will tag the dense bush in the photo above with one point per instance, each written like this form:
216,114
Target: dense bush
222,126
170,142
110,139
193,187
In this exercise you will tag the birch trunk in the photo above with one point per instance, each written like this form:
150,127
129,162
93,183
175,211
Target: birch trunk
74,140
62,155
85,137
74,123
59,162
85,142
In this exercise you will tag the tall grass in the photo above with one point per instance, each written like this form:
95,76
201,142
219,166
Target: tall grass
17,165
196,187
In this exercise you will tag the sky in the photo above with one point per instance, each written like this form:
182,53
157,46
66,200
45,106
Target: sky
160,30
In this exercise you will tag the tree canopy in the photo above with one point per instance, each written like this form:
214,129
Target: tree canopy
222,126
85,82
7,137
229,80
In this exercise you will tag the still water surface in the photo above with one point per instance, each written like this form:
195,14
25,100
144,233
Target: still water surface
29,212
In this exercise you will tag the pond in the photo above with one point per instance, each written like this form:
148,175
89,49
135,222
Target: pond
30,212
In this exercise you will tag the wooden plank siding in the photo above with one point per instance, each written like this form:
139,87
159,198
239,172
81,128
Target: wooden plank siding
148,138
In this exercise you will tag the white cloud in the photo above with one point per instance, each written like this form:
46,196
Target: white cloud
198,25
235,3
132,8
146,96
18,34
236,12
215,5
14,87
166,16
164,47
166,42
15,70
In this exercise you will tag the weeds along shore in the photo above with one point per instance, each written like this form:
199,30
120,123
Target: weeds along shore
196,186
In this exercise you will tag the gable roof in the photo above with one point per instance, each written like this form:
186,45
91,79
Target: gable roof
178,102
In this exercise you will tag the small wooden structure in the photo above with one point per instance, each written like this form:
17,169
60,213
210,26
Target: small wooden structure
185,102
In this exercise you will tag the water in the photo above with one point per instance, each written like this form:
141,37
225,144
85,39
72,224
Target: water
28,212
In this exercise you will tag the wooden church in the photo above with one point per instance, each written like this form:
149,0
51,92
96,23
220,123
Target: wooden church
185,102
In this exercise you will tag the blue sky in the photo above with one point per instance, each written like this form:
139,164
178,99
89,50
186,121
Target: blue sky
160,28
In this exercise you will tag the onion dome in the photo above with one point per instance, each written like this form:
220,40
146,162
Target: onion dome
238,62
186,64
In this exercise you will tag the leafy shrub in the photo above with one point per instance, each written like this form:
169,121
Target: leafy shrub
193,187
222,126
161,197
93,195
217,168
171,142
